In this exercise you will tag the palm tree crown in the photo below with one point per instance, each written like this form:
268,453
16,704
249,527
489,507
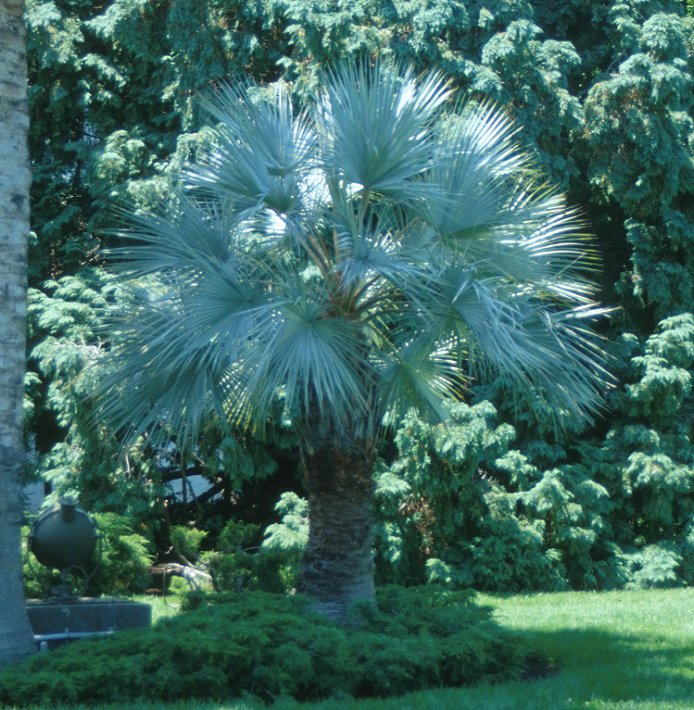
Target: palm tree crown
356,259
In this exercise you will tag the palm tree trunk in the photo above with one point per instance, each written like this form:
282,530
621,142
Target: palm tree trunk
337,569
16,638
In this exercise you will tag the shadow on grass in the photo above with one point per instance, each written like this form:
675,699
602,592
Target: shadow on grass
588,668
598,666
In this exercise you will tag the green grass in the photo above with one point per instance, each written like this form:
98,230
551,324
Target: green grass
162,607
614,651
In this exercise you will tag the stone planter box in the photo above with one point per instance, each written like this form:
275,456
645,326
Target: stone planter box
56,622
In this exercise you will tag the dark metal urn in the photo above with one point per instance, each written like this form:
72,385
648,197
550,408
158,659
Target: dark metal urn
64,537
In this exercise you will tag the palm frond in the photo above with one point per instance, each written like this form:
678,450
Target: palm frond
486,206
474,160
311,359
196,235
375,126
528,341
415,377
548,251
351,261
373,245
156,376
262,151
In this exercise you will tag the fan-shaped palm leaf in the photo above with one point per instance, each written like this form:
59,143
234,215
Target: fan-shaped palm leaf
262,151
372,253
375,126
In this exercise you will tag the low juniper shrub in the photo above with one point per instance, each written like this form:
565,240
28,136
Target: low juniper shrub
269,645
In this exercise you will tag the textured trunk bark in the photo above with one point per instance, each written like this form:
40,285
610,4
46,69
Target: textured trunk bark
337,568
16,639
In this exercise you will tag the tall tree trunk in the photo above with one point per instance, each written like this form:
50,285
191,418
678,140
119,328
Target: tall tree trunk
16,638
337,569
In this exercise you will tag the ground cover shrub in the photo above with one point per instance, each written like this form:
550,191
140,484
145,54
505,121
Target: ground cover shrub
269,645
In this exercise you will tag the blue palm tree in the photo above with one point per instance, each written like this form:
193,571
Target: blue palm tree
347,261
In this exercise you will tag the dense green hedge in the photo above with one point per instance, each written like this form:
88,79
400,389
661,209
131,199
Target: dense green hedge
272,645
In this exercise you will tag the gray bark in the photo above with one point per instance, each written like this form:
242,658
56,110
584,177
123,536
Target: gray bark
16,639
337,568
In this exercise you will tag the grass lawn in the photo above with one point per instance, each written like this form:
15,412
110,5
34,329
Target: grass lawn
614,651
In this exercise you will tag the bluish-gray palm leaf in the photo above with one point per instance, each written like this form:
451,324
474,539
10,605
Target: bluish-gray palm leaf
354,260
